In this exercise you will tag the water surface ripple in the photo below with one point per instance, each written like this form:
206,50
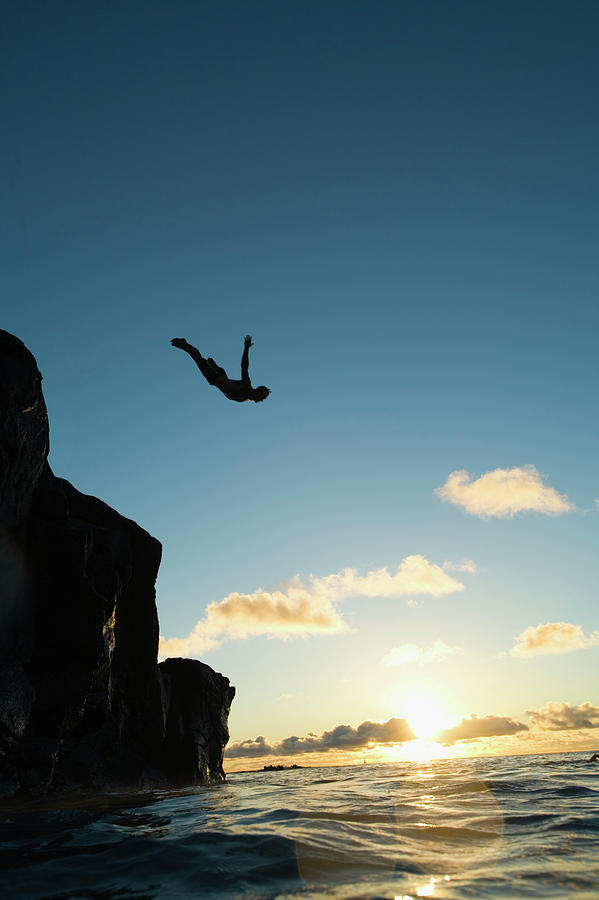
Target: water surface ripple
511,827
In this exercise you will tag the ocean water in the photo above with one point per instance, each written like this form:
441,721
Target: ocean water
523,826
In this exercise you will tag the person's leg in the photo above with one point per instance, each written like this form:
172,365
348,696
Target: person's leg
218,370
209,373
213,373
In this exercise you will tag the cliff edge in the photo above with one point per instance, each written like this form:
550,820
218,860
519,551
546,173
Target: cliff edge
83,702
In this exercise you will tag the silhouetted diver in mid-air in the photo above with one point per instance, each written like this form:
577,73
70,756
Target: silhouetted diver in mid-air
216,375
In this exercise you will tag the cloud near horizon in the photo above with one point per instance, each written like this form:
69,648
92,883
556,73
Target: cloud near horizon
343,737
308,609
563,717
474,727
502,493
412,653
555,716
552,637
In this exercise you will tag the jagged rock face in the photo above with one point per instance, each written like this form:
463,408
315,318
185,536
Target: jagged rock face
82,702
197,701
24,438
97,715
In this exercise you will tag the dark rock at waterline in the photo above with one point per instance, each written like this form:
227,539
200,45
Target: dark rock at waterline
83,703
197,700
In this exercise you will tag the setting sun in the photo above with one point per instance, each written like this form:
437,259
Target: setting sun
425,716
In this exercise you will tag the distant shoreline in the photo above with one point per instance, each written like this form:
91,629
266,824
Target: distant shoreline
403,762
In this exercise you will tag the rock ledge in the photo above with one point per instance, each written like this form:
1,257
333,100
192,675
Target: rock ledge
83,702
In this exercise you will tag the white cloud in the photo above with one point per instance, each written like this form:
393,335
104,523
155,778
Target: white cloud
411,653
414,576
552,637
197,642
276,614
563,717
503,492
307,609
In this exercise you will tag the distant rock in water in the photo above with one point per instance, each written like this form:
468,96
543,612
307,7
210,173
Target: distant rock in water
83,703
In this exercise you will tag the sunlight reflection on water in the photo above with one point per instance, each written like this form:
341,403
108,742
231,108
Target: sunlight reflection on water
417,824
426,890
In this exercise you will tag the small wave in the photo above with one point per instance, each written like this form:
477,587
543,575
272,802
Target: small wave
575,791
523,820
576,824
110,894
330,780
449,833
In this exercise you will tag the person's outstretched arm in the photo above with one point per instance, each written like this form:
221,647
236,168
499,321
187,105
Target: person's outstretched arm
245,359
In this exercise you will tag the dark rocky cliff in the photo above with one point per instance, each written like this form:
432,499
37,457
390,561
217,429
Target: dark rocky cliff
83,703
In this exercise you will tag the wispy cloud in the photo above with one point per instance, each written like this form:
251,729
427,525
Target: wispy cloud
502,493
466,566
343,737
553,637
300,609
412,653
563,717
474,727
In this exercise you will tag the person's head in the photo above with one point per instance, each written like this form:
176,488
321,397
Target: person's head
260,393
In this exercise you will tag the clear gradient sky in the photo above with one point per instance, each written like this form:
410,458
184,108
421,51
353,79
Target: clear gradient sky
399,202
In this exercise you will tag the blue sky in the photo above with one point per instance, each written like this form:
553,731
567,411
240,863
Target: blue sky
398,200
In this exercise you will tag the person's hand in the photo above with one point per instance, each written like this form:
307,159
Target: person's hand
181,343
247,340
